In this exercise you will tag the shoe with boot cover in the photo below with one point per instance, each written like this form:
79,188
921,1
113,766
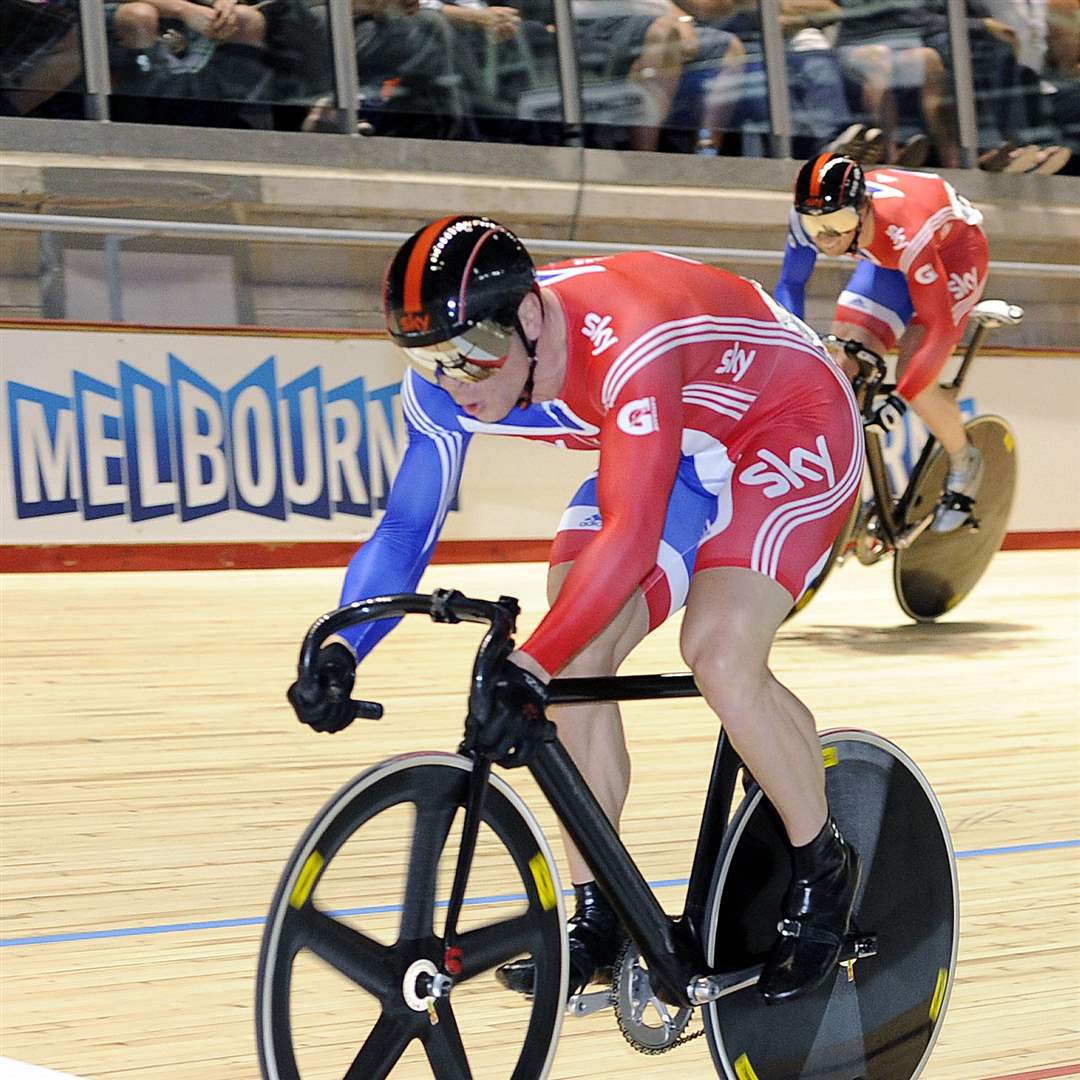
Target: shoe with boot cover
817,913
595,937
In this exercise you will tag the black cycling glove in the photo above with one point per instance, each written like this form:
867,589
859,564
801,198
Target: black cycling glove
327,705
517,723
888,416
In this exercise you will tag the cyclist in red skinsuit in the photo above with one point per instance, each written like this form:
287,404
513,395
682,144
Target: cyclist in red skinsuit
687,364
924,270
730,454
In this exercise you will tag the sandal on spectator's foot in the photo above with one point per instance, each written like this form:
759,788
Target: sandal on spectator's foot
873,148
914,152
996,159
1053,159
1023,159
849,141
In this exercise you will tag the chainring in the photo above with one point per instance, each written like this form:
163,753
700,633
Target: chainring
648,1024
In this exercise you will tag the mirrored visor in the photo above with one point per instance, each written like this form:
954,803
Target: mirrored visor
828,226
472,356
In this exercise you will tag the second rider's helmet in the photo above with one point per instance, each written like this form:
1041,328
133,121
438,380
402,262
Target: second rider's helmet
452,292
829,193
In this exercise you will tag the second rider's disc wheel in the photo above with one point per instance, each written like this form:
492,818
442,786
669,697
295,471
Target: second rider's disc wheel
938,570
353,950
879,1019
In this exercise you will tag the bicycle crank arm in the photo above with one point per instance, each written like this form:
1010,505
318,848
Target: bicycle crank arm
708,988
906,537
586,1004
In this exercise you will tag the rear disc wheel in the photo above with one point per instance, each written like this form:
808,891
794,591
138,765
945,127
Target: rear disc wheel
880,1023
938,570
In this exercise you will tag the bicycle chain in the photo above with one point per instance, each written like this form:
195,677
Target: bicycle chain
620,1020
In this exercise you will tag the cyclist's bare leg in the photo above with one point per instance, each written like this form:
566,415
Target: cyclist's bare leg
731,618
937,408
593,733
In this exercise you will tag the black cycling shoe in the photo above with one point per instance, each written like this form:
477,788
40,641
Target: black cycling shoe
595,937
817,914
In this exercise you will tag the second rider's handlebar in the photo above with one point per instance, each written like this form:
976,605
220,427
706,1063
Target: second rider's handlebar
871,375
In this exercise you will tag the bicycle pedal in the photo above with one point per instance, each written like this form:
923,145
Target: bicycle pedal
858,946
585,1004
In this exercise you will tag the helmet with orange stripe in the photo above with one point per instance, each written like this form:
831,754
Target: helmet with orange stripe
830,191
452,293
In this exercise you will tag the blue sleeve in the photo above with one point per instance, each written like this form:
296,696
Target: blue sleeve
800,254
425,486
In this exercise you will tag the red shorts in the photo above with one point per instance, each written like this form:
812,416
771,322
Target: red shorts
769,494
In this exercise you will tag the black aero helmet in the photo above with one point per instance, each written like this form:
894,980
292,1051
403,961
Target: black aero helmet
452,292
827,183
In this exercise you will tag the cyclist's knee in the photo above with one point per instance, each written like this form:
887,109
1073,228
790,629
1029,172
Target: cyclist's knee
732,683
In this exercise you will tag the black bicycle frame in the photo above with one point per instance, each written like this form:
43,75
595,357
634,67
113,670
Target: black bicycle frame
893,512
672,946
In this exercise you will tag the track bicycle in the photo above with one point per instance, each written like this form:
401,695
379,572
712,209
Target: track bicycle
367,969
932,572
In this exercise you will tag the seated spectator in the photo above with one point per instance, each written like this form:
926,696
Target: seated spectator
1028,81
161,51
409,84
656,44
40,52
478,28
882,48
818,101
222,63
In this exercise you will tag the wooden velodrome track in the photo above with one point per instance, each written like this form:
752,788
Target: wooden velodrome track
154,781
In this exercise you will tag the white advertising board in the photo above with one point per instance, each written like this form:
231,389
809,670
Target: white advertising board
113,437
123,436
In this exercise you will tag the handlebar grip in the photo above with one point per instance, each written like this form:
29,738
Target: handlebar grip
367,710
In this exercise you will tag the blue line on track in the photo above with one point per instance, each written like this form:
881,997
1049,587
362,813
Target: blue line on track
220,924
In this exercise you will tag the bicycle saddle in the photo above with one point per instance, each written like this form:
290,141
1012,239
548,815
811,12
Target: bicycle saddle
997,313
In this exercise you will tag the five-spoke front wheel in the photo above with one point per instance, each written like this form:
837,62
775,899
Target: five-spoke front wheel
352,981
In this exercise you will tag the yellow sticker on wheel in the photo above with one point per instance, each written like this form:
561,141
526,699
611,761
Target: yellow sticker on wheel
830,756
545,887
1009,441
306,881
939,994
744,1070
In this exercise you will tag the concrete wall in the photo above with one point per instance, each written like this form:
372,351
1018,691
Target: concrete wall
332,181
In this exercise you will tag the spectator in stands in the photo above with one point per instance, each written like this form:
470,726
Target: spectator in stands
409,84
1029,82
478,29
819,108
654,43
40,53
164,50
882,47
137,24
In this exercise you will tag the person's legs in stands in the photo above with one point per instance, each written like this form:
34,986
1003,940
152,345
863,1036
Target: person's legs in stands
936,101
725,91
873,66
136,25
418,50
55,71
657,71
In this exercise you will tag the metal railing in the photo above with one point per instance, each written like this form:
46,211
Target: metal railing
225,231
